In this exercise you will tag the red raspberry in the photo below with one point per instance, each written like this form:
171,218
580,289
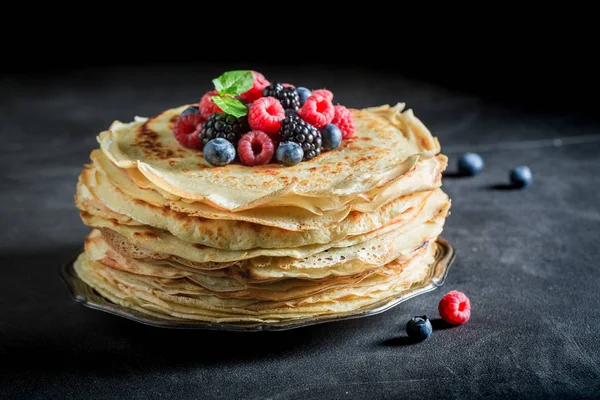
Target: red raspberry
256,91
207,106
323,92
455,308
265,115
317,111
344,120
255,148
187,130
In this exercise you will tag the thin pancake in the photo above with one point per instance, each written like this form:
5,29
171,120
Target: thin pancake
161,241
187,302
424,175
241,235
385,145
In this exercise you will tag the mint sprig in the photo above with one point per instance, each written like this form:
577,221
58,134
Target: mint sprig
231,106
234,83
229,85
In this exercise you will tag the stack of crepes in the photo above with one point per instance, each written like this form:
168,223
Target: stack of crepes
180,240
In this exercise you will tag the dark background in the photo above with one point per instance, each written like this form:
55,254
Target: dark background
527,259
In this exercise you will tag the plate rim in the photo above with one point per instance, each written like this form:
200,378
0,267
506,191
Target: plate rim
84,294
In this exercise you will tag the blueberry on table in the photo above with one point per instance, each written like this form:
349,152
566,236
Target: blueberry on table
331,136
219,152
289,153
419,328
521,176
470,164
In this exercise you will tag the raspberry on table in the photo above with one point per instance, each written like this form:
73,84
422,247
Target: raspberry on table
255,148
207,106
324,92
294,129
187,129
317,111
256,91
265,115
344,120
225,126
455,308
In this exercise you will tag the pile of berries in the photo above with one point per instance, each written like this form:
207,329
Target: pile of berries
279,123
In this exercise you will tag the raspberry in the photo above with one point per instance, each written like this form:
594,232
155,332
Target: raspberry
255,148
256,91
455,308
187,129
324,92
288,85
207,106
317,111
265,115
344,120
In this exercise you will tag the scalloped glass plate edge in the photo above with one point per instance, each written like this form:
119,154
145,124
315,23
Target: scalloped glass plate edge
86,295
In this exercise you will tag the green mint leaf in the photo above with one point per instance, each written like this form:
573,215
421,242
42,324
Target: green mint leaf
231,106
234,82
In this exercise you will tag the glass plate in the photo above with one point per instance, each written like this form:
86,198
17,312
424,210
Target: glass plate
86,295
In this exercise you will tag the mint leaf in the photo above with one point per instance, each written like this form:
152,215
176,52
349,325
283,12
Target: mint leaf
234,82
231,106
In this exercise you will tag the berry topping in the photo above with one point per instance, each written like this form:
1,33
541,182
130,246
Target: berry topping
265,115
221,125
287,96
287,85
324,92
455,308
256,92
190,110
317,111
294,129
207,105
344,120
289,153
303,94
186,130
521,177
219,152
332,137
256,148
419,328
470,164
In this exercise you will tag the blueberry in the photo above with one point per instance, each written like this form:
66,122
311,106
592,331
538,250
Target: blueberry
289,153
521,177
219,152
470,164
303,94
331,136
419,328
190,110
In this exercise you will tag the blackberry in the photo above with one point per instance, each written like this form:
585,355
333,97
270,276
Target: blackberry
221,125
287,96
295,129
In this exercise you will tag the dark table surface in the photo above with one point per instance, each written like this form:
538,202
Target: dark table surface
528,259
